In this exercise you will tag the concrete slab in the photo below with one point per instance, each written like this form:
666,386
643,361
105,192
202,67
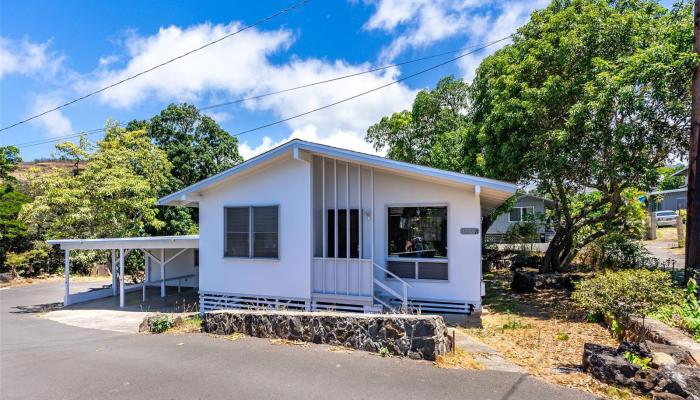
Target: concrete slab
491,359
106,320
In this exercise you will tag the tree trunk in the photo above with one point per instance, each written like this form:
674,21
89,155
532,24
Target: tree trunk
558,252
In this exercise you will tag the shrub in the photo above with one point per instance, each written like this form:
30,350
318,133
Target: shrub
615,251
621,294
686,314
160,324
641,362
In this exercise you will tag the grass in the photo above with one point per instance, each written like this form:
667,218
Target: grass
544,333
191,324
458,359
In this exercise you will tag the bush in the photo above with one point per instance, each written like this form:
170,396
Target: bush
626,293
160,324
615,251
685,315
27,263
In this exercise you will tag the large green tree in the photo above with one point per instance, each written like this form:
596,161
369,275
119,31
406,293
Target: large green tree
197,147
12,231
591,95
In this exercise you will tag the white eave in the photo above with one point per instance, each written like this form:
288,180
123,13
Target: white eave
662,192
493,191
146,242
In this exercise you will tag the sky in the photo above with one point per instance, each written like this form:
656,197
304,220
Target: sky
53,52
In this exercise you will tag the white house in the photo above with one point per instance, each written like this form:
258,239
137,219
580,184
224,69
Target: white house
311,226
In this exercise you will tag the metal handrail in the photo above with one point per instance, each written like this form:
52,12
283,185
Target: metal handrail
406,285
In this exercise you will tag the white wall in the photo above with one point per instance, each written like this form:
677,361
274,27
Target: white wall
179,266
287,184
463,252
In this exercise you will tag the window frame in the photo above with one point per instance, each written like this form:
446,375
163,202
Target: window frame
418,260
521,213
251,232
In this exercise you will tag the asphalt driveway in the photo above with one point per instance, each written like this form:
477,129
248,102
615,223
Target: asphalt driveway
44,359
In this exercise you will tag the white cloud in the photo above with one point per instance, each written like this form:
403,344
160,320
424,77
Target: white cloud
24,57
240,67
233,65
54,123
343,139
421,23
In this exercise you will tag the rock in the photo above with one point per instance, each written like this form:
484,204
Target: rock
523,282
414,336
606,364
665,396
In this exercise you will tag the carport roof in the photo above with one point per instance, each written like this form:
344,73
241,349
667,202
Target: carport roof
147,242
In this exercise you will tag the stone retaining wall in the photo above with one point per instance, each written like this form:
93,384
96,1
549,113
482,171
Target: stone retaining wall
414,336
636,330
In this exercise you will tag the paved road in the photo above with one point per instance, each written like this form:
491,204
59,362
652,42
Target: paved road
43,359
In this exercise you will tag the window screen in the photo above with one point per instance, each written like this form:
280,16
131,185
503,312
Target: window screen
237,232
265,232
252,232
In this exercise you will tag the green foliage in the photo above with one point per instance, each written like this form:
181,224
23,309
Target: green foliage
642,362
626,293
686,314
9,160
12,231
433,132
615,251
384,351
197,147
591,94
160,324
30,262
513,323
563,336
666,181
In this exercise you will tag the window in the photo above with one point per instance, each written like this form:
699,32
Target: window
417,242
520,214
251,232
343,233
418,232
196,257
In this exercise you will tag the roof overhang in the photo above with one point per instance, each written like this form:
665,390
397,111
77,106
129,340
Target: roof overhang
669,191
149,242
492,192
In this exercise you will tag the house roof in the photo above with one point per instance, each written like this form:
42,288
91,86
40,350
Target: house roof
547,202
147,242
492,192
662,192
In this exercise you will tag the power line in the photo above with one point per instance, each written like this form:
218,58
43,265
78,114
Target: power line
375,69
481,47
369,91
261,21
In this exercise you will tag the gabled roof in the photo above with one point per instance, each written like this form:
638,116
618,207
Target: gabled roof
547,202
497,191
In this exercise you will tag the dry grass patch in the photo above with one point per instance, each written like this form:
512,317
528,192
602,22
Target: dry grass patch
544,333
458,359
188,325
287,342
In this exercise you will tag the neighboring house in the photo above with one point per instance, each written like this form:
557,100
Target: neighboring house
671,199
526,207
309,226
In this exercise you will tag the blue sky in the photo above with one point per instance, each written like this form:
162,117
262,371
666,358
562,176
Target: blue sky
51,52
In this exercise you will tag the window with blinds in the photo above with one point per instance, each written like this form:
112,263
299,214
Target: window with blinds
251,232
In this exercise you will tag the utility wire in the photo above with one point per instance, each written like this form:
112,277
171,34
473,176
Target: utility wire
369,91
337,78
261,21
481,47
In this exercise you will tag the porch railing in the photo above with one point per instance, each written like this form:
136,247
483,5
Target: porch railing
342,276
404,286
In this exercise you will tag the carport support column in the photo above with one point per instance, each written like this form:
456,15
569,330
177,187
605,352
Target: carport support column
162,272
114,273
121,278
66,299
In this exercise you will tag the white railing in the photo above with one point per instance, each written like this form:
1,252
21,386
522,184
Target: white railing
405,285
342,276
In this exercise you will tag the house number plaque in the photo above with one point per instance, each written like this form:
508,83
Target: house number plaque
469,231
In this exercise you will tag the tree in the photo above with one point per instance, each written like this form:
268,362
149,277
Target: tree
76,153
436,132
9,161
197,147
114,196
590,96
667,180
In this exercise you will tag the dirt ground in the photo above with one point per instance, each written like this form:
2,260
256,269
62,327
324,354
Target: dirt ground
544,333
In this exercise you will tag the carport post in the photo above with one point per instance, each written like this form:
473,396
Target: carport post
162,272
66,299
146,274
121,278
114,274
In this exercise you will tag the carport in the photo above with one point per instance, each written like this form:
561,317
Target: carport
161,250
